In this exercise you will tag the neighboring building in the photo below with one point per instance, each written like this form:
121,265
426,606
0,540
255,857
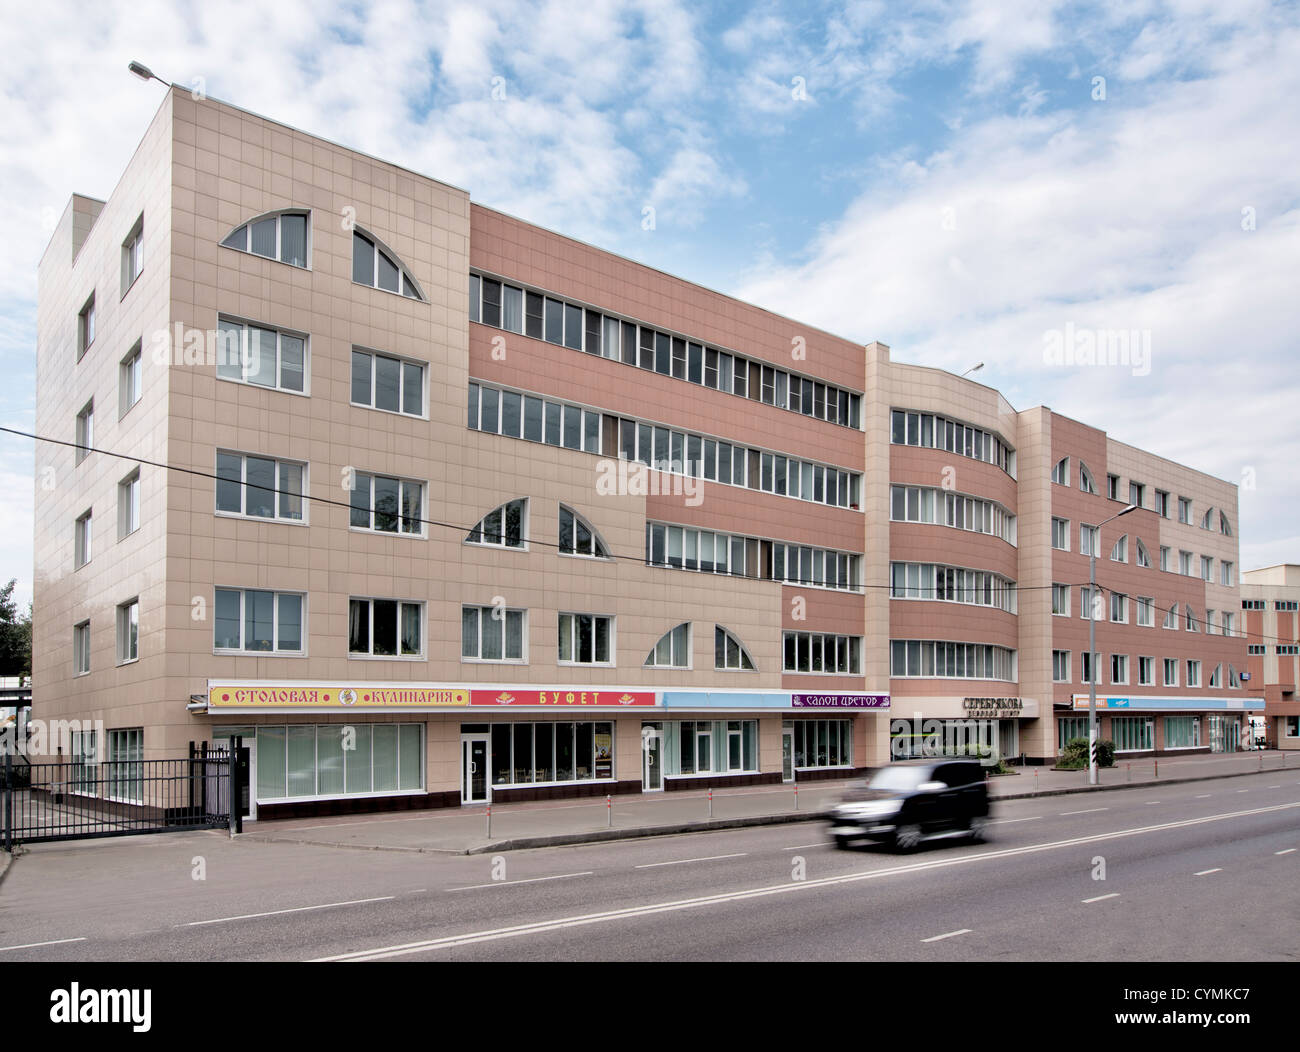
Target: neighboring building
1270,599
409,545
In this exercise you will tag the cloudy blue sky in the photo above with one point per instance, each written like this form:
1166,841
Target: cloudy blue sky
955,179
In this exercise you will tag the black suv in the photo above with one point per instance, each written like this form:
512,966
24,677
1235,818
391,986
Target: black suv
908,802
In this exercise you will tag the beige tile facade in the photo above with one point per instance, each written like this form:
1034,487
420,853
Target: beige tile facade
204,169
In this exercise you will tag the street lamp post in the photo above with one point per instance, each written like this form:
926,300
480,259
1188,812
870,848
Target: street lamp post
1092,645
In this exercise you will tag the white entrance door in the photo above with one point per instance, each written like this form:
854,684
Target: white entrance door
474,785
787,754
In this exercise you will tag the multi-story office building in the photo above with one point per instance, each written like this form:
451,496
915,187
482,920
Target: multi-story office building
433,506
1270,599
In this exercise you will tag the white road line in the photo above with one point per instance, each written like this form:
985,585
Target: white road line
1286,852
276,913
1089,811
801,847
683,861
582,920
52,942
1150,802
1204,795
1275,787
1102,898
1243,790
1008,821
528,880
1207,872
948,935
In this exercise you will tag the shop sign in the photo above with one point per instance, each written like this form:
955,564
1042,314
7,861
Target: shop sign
287,697
839,701
604,755
576,699
993,708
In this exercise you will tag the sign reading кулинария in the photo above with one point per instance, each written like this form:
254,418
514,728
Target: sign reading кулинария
316,696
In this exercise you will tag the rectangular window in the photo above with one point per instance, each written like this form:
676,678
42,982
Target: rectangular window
1184,510
828,654
1061,534
1185,563
133,255
1060,666
128,631
129,379
491,633
1171,672
1118,608
1182,732
1162,503
301,761
259,487
81,648
1090,661
586,639
85,431
387,505
128,505
393,385
254,621
1119,668
1133,733
1136,493
385,628
260,356
86,327
1193,673
1061,600
1227,573
81,541
1088,538
1146,671
1146,612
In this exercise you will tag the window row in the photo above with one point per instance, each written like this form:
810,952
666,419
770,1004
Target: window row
951,584
936,432
821,743
533,419
132,265
938,507
128,520
684,547
542,317
935,659
819,652
302,760
1146,671
697,747
549,753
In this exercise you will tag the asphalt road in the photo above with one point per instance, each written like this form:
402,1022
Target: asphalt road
1198,871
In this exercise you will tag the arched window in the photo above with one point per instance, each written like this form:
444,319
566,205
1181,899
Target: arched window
1119,553
276,235
1193,622
1086,482
1216,676
503,527
729,652
1205,519
1171,617
1142,556
376,265
673,649
1225,527
1061,473
579,537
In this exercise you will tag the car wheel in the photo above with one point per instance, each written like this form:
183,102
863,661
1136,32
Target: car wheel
843,842
907,837
979,830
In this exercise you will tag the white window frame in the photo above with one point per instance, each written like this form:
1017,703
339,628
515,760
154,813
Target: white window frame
1061,658
130,380
133,256
1193,673
1060,530
572,659
742,653
370,655
1146,670
81,648
86,327
479,528
402,362
276,650
83,539
418,534
600,550
226,321
247,229
671,635
128,631
1119,669
485,613
128,505
85,432
243,513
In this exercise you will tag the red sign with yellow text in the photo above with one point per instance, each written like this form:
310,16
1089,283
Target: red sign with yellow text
563,699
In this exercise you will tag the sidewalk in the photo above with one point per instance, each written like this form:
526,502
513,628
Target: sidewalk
550,824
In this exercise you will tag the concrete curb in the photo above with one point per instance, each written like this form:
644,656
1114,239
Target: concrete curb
596,836
6,860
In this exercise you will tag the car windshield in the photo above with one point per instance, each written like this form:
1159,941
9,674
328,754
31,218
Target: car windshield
898,777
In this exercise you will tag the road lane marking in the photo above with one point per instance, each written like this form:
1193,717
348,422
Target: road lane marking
1101,898
1204,795
1243,790
527,880
1089,811
683,861
947,935
1008,821
276,913
52,942
801,847
582,920
1275,787
1207,872
1286,852
1150,802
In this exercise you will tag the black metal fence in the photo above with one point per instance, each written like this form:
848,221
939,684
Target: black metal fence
74,800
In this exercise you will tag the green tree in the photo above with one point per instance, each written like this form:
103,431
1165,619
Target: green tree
15,635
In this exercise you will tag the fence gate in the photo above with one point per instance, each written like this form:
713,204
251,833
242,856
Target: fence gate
77,801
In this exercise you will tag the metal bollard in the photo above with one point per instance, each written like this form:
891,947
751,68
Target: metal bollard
1130,772
609,811
1157,764
710,803
1035,779
796,796
489,821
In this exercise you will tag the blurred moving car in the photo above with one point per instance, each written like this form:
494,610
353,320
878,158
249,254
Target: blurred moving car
915,800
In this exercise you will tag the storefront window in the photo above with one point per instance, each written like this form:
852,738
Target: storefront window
533,753
301,761
1132,733
1182,732
694,747
822,743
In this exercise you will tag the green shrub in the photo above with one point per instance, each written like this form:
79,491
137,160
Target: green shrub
1075,755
